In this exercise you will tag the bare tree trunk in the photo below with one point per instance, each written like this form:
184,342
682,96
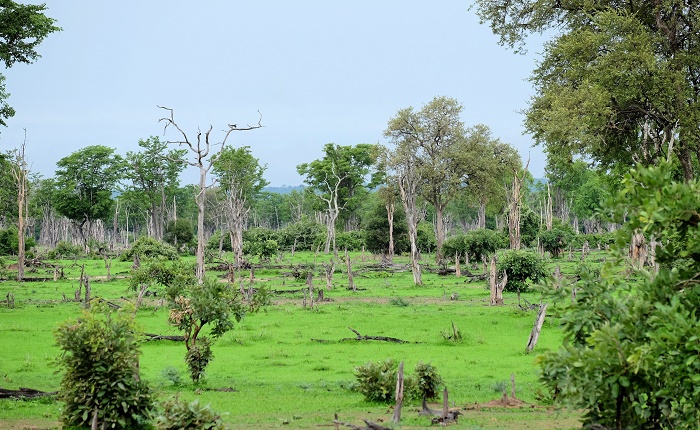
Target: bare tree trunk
482,214
19,170
458,270
399,395
514,202
348,264
535,334
390,209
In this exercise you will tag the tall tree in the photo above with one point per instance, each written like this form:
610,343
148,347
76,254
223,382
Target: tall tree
445,154
85,182
22,29
339,180
240,176
618,82
154,173
20,171
203,160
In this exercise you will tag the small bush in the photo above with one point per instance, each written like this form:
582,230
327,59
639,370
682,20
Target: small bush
171,374
556,240
63,250
148,247
376,381
521,266
198,357
100,363
178,414
426,381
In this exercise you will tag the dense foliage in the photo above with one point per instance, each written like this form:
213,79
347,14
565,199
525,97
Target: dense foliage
631,353
148,247
521,266
177,414
100,365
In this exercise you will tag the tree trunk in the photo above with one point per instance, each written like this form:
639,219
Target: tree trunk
482,215
535,334
348,263
399,395
390,209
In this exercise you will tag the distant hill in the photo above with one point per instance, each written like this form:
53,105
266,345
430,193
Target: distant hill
284,189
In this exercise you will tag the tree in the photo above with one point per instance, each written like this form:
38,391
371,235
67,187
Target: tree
625,72
154,176
204,162
85,182
447,157
20,171
630,353
240,176
196,304
22,29
339,181
101,382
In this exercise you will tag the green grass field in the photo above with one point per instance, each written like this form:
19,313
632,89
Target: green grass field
275,371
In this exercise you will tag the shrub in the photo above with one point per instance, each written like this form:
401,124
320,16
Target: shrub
179,232
9,242
306,234
630,359
350,240
521,266
65,249
148,247
165,273
178,414
425,239
100,363
556,240
376,381
426,381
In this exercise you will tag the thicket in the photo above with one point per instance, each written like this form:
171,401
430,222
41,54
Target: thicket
100,365
148,247
631,355
521,266
377,381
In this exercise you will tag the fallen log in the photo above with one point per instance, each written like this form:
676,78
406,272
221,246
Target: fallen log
152,336
362,337
24,393
369,425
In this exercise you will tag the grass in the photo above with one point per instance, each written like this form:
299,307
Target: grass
279,373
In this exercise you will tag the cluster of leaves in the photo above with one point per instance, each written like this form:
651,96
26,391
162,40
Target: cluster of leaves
479,244
194,305
148,247
350,240
556,240
100,363
179,414
520,266
631,352
9,242
377,381
164,273
179,233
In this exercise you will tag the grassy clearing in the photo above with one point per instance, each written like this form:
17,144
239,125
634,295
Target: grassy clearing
278,374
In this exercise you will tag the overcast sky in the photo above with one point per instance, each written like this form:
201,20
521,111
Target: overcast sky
318,71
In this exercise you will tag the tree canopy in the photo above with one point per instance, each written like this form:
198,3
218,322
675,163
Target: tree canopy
22,29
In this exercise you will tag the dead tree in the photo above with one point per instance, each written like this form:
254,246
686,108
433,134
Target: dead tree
19,171
348,264
202,148
515,197
535,334
495,285
399,395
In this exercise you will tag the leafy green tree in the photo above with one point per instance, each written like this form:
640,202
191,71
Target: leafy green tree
618,81
22,29
339,181
556,240
154,173
101,372
521,265
179,232
630,357
194,305
377,230
240,177
435,141
85,182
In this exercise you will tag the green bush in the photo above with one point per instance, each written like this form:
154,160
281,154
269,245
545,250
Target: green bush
426,237
521,266
179,233
377,381
148,247
307,234
556,240
350,240
164,273
9,242
65,249
425,382
178,414
100,364
631,356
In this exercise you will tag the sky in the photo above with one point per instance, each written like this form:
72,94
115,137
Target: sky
318,71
